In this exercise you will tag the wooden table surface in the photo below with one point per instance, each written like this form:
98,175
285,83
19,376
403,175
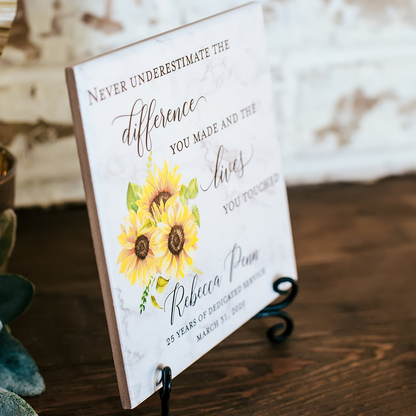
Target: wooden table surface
353,351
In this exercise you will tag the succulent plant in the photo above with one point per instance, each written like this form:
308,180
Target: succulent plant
16,293
12,404
18,372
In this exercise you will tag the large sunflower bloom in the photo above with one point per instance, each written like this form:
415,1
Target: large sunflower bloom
161,186
138,256
176,237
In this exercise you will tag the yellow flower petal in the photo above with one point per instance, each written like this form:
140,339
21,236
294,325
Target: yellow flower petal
134,268
162,182
122,238
123,254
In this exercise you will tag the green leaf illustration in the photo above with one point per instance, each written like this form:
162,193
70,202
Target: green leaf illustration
154,303
146,291
161,284
195,211
184,195
7,235
193,188
133,195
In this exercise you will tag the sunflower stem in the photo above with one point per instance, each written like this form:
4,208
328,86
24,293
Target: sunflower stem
146,292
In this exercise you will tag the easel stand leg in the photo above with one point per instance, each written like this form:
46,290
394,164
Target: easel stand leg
274,333
165,390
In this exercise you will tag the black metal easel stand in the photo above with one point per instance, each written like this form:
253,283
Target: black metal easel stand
274,333
165,390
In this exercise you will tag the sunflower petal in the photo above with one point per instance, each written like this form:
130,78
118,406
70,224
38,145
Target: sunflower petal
161,284
154,303
122,238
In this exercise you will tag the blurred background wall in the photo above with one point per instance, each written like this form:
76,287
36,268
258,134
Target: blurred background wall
344,76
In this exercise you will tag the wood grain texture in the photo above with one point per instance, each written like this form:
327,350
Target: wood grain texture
353,351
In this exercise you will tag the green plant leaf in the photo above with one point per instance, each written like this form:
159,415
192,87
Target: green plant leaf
193,188
16,293
154,303
18,372
12,404
133,195
184,195
195,211
161,284
8,225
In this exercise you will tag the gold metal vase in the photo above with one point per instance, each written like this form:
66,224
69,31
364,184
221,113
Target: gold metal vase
7,179
7,161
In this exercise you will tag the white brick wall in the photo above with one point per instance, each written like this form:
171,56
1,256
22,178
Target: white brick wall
343,70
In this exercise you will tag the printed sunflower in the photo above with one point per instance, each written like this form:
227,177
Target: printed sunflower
161,186
138,256
176,238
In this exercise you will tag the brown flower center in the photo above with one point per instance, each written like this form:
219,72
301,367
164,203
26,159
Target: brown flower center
141,248
176,240
162,196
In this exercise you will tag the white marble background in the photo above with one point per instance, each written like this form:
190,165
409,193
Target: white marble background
343,74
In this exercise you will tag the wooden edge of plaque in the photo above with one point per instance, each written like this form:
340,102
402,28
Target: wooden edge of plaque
97,240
